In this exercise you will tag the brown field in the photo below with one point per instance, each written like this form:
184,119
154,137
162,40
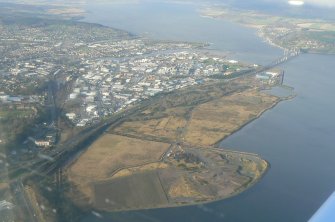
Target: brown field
137,191
212,121
142,168
174,181
127,170
113,152
107,156
167,118
166,127
181,188
200,124
3,186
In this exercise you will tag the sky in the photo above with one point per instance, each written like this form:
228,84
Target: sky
313,9
320,3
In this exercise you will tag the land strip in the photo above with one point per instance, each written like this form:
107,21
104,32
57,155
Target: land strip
167,150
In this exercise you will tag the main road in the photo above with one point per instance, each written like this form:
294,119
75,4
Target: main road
64,153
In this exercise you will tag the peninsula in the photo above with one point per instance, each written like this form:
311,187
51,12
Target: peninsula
98,119
164,154
292,33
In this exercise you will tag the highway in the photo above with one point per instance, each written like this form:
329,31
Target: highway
24,211
64,153
52,162
27,213
6,206
59,158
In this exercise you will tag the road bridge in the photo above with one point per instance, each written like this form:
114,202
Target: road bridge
288,55
65,152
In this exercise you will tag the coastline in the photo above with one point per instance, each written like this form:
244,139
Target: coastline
284,133
257,174
237,148
217,144
242,189
258,33
257,28
257,20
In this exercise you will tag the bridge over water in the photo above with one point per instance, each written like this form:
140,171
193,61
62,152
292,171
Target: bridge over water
288,55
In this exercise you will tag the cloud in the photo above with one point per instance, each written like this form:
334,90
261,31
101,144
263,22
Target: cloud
322,3
297,3
319,3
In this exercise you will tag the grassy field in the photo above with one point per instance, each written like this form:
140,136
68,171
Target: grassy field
165,128
126,170
109,154
212,121
113,152
174,181
200,124
130,192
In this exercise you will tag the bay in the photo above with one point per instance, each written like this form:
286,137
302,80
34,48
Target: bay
297,137
183,22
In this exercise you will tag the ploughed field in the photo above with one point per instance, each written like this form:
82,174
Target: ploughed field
163,155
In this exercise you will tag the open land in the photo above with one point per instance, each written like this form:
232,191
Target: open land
61,79
185,175
199,116
168,104
163,155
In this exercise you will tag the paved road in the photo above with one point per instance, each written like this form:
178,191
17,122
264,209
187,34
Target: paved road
23,202
6,205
